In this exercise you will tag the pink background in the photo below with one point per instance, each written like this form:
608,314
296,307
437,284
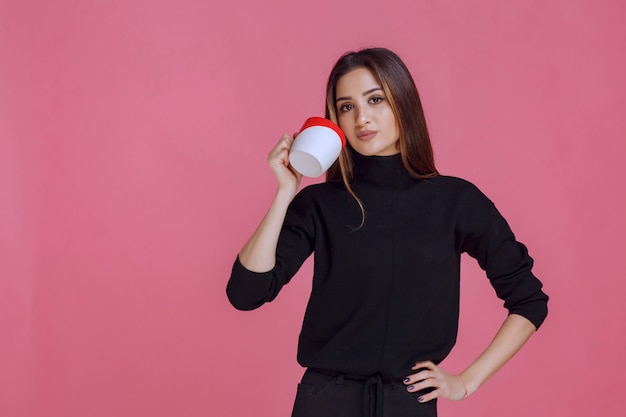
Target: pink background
133,137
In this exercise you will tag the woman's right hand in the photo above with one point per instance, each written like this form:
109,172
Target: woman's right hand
278,159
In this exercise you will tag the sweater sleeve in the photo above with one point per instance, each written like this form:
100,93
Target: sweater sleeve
487,237
247,290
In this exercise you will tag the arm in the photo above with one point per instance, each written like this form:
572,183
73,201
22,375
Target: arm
259,252
487,237
279,245
513,334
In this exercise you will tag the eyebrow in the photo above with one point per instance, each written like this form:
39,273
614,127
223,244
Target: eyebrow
364,94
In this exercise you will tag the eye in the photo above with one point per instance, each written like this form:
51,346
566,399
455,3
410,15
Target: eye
346,107
376,99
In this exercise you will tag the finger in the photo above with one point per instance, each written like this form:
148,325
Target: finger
425,373
427,383
294,172
279,155
283,145
424,364
428,397
285,142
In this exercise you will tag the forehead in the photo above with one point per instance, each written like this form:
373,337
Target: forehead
355,82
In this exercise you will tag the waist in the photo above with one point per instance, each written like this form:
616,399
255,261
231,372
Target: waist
354,379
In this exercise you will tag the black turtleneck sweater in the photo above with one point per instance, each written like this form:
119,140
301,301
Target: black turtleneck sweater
387,295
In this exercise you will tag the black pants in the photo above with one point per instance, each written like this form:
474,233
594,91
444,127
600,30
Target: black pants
322,394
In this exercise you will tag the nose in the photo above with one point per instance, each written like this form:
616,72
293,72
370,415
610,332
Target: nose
362,115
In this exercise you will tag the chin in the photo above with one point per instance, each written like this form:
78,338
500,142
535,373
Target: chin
377,152
366,150
376,149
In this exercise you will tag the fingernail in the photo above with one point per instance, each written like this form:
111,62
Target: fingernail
406,379
420,399
411,388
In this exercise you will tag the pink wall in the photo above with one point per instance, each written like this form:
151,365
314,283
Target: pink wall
133,137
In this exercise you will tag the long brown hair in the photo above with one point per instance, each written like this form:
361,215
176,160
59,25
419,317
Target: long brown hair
400,90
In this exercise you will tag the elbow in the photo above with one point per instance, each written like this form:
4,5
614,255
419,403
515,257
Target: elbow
246,295
535,311
242,302
248,290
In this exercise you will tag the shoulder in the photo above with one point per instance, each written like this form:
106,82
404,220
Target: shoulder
457,188
451,182
316,194
321,190
312,201
471,207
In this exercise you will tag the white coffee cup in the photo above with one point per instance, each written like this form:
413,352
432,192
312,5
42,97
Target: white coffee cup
316,147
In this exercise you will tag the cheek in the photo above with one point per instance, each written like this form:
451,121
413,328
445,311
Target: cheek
392,122
345,125
343,121
352,141
350,136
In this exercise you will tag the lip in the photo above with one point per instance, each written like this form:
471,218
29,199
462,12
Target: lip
366,134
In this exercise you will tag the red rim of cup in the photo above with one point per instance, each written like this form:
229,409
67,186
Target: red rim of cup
321,121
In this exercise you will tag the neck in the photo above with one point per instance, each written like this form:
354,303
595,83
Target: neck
388,171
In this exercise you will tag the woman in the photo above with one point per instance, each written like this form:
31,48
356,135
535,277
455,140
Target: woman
387,232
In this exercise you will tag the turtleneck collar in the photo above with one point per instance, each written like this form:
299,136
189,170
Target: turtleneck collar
386,171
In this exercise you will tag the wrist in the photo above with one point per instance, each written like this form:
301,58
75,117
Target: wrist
285,193
466,394
469,383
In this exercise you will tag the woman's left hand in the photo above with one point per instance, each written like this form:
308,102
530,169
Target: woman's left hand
450,387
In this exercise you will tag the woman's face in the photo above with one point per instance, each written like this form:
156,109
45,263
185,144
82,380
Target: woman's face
364,114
